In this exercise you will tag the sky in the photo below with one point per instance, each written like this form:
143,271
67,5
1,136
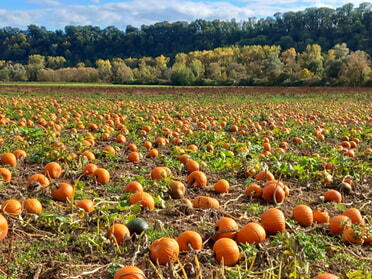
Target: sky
56,14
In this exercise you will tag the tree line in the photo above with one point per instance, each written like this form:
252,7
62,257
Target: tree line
233,65
315,45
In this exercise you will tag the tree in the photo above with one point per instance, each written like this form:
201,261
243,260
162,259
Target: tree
104,70
36,62
312,59
182,75
56,62
356,70
121,73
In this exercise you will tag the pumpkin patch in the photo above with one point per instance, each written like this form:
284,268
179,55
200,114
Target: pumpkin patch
161,183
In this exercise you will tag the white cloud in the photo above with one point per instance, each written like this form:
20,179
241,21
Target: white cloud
43,2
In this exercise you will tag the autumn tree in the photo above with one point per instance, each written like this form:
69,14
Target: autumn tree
36,62
356,70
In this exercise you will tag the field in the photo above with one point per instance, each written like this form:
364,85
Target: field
311,140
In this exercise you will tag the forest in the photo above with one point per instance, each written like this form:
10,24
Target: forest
320,46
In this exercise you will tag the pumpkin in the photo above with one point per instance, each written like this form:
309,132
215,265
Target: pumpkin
137,226
19,153
206,202
63,192
176,189
164,250
86,204
147,144
353,236
190,240
338,223
254,190
264,175
9,158
273,220
333,195
273,191
37,180
89,169
88,155
118,232
303,214
153,153
225,227
101,176
11,206
109,150
132,147
183,158
321,216
226,251
326,276
3,227
133,186
52,170
5,175
221,186
344,187
129,272
192,165
134,156
159,173
145,199
197,179
33,206
354,215
251,233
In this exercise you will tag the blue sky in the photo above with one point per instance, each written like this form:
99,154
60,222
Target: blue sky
56,14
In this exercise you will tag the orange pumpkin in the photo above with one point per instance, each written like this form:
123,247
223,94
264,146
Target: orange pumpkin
273,220
254,190
119,232
251,233
11,206
303,214
226,251
153,153
338,223
129,272
333,195
5,175
273,191
192,165
89,169
9,158
33,206
133,186
86,204
101,175
177,189
36,180
164,250
321,216
206,202
326,276
159,173
221,186
63,192
19,153
354,215
3,227
134,156
190,240
197,179
264,175
52,170
225,227
351,235
145,199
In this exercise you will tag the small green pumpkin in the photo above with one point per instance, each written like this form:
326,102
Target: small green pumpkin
137,226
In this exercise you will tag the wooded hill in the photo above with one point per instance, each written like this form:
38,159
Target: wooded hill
288,48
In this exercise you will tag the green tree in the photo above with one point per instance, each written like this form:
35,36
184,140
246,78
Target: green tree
312,59
36,63
104,69
56,62
121,73
182,75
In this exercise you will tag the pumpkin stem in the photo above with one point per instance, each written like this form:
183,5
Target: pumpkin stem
192,181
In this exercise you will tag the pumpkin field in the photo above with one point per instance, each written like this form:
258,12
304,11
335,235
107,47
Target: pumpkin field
185,182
